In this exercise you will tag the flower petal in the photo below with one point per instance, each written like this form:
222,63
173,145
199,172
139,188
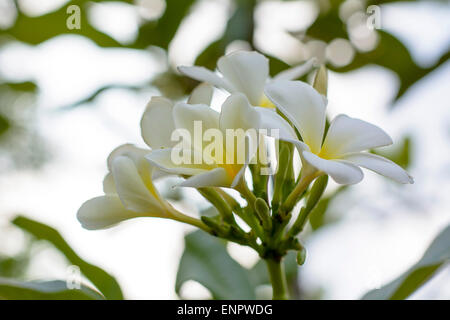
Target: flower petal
379,165
104,212
237,113
296,72
202,94
157,123
163,159
109,187
270,120
128,150
341,171
247,72
204,75
303,106
214,178
132,189
186,114
348,135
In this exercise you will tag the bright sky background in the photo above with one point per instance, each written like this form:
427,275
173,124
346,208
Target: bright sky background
385,228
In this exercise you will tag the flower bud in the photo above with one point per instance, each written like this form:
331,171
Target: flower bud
321,81
301,256
263,212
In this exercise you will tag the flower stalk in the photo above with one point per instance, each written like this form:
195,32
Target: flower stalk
278,279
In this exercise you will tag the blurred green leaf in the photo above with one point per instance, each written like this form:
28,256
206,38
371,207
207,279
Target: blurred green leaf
206,260
437,255
45,290
104,282
328,25
161,32
13,267
317,217
35,30
401,154
172,85
390,53
240,26
98,92
26,86
4,124
276,65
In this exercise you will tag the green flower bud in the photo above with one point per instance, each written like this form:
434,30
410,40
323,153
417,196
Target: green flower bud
301,256
321,81
218,227
263,212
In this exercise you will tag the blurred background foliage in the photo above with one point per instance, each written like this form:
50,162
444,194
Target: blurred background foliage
337,37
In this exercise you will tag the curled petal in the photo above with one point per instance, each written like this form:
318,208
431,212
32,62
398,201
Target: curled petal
348,135
128,150
109,185
202,94
303,106
214,178
164,160
135,193
204,75
157,123
247,72
104,212
296,72
270,120
379,165
342,172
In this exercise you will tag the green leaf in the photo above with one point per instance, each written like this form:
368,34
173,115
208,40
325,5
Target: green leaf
104,282
240,26
173,85
328,25
206,260
45,290
161,32
276,65
4,124
35,30
399,61
26,86
437,255
400,154
13,267
389,53
317,217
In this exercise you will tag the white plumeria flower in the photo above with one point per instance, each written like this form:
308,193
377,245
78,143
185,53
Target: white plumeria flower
246,72
129,191
128,187
340,155
157,123
236,113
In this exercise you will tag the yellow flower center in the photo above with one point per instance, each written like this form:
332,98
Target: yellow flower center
266,103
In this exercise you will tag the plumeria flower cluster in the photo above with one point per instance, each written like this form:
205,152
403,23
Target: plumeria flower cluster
295,110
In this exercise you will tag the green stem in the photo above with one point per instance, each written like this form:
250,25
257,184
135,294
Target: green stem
278,279
293,197
219,202
255,223
246,193
179,216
